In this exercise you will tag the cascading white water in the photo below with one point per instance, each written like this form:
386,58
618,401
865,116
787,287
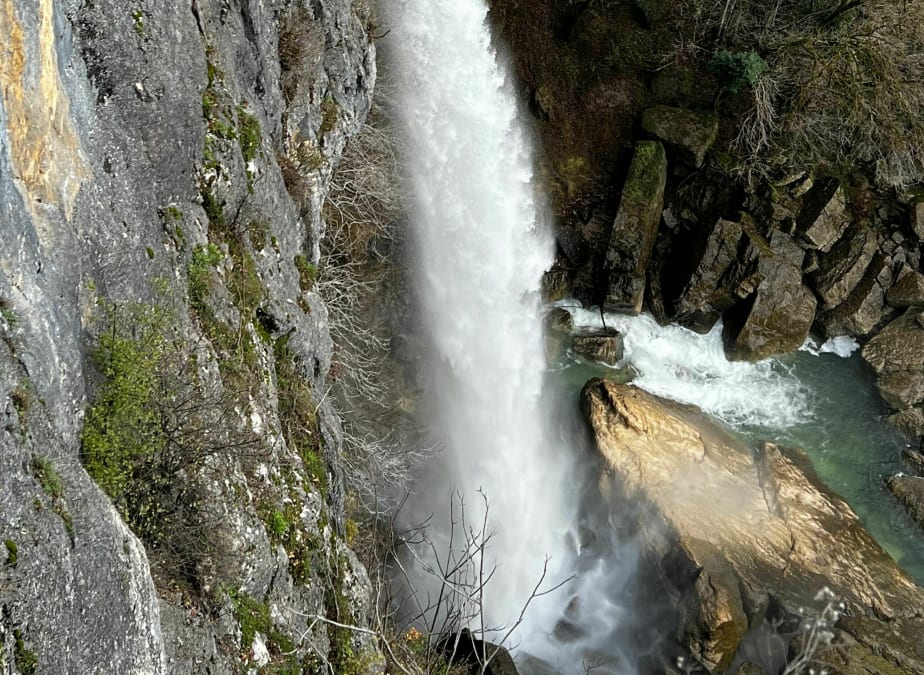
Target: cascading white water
481,250
676,363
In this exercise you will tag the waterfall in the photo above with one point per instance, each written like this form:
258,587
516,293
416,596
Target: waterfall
481,246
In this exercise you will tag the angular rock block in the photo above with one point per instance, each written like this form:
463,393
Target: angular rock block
690,132
605,346
781,310
824,216
635,228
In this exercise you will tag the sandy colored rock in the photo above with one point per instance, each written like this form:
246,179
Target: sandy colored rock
728,527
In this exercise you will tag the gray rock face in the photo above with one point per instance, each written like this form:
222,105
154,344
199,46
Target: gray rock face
782,311
823,217
896,354
733,531
130,137
635,228
725,275
605,346
841,270
862,311
908,291
691,132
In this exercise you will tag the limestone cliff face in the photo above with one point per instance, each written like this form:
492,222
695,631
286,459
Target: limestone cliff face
136,142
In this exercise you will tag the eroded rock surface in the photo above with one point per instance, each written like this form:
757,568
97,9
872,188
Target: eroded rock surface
691,132
733,531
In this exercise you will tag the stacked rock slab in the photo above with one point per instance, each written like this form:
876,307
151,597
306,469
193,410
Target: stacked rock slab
635,228
782,308
725,275
734,532
823,217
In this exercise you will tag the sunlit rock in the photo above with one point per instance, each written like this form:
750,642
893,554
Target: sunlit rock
735,533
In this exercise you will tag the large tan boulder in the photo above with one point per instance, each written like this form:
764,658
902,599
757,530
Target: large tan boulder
732,531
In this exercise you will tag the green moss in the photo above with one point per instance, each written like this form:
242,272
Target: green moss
214,210
12,553
252,615
123,428
330,111
150,252
298,414
257,232
21,398
44,471
279,525
138,23
9,316
201,267
646,174
307,273
249,134
25,659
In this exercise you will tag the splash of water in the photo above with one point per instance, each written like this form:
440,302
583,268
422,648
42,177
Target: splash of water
685,366
481,249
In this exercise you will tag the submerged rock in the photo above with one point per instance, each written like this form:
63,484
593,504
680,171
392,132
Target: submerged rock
691,132
605,346
733,532
779,315
635,228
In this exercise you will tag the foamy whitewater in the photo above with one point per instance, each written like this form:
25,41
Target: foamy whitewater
481,250
685,366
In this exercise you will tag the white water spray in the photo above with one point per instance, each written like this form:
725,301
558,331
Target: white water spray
482,249
682,365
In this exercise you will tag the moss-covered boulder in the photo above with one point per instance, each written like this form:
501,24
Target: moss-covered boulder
690,132
635,228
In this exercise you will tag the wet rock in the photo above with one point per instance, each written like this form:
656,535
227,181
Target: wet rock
862,311
635,228
909,421
731,531
909,491
559,319
724,276
915,459
896,355
779,315
824,216
841,270
468,650
908,291
750,669
556,283
572,245
690,132
605,346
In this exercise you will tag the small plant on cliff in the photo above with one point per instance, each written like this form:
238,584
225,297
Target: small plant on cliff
153,423
737,70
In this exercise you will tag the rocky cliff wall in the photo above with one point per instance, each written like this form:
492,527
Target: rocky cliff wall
149,156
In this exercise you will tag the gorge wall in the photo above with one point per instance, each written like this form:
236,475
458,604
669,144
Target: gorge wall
162,175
